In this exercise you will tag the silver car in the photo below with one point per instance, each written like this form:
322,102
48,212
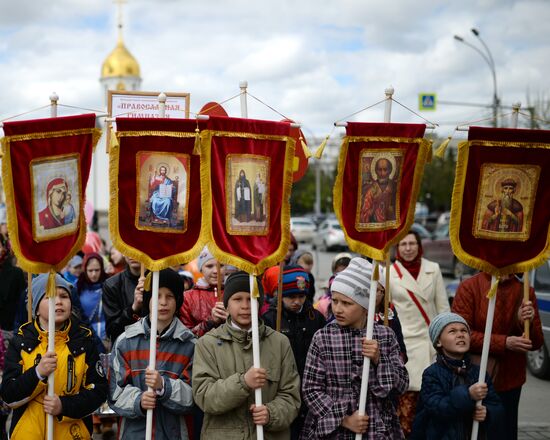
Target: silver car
538,361
330,236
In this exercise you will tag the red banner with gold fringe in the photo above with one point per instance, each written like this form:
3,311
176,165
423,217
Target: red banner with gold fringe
45,169
380,169
499,215
248,165
155,213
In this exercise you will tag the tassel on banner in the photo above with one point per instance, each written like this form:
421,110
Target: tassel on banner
255,291
493,290
147,283
4,145
321,148
50,285
113,140
197,146
376,273
307,153
440,152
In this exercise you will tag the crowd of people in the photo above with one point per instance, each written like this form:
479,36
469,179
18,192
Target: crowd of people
423,379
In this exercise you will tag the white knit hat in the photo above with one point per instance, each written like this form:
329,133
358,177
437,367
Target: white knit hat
354,281
204,256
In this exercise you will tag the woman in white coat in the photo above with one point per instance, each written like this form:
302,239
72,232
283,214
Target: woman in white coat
418,293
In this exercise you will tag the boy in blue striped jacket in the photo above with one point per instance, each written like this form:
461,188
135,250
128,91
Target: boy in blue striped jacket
130,376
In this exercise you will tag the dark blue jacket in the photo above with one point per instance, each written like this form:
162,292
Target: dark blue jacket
445,408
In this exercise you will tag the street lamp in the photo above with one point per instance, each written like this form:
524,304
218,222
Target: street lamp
488,58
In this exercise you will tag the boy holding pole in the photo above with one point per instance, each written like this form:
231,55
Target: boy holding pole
333,372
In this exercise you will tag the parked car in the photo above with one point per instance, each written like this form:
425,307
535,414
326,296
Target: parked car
438,248
538,361
303,229
330,236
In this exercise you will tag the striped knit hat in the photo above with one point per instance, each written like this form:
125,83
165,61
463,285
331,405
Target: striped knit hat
295,281
354,281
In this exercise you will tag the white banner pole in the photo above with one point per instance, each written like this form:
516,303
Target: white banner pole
256,351
243,85
366,360
51,307
485,350
387,109
153,345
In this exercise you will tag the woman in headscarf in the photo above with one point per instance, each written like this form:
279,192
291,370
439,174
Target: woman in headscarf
89,287
418,294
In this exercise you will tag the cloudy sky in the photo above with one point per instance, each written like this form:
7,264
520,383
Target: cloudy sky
315,61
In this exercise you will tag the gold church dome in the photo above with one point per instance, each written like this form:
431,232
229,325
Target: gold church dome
120,62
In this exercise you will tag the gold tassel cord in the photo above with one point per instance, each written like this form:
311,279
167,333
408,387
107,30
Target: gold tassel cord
321,148
50,285
440,152
307,153
493,290
113,140
147,283
197,146
255,291
376,273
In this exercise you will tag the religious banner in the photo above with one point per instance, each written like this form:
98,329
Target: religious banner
248,165
380,169
45,169
155,211
499,215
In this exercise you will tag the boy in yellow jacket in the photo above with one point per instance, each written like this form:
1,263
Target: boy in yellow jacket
79,380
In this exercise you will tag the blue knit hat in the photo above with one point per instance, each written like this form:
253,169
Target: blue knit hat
39,289
441,321
295,280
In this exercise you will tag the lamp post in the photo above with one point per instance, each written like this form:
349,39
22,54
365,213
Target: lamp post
488,58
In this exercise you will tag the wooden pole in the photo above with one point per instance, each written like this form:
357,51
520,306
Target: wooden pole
219,295
29,296
526,286
387,294
280,296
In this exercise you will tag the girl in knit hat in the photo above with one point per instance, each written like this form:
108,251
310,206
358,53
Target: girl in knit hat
201,311
450,388
171,395
224,379
80,386
333,372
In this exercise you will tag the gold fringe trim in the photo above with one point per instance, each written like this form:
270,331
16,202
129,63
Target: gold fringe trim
493,290
119,243
54,134
206,232
440,152
321,148
456,216
4,144
176,134
424,149
305,148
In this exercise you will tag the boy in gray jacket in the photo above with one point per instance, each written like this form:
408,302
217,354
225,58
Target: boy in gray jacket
224,379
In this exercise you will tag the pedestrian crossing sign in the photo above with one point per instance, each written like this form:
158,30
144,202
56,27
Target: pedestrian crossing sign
427,101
